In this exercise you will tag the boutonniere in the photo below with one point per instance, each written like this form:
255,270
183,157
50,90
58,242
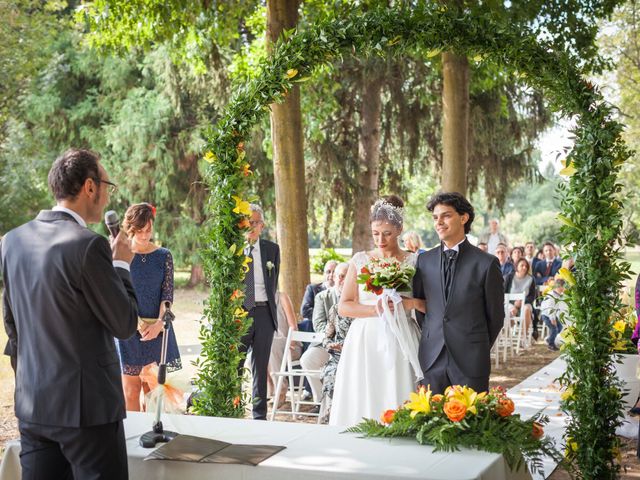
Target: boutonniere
270,266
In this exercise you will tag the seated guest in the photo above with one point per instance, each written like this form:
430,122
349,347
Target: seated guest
505,263
516,254
483,246
548,267
306,309
316,356
553,309
413,242
335,333
521,281
286,320
530,254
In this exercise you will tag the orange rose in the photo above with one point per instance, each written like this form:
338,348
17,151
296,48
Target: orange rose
538,431
455,410
505,407
236,402
388,416
437,398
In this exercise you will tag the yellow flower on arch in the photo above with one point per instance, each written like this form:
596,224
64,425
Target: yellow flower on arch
292,72
242,206
245,264
210,157
240,313
419,402
568,170
567,276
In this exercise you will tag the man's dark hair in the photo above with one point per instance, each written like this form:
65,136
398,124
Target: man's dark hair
548,244
458,202
70,170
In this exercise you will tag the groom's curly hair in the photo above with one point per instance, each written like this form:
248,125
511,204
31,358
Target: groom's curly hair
459,203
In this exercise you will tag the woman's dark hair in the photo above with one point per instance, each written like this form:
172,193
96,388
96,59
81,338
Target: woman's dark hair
70,170
388,209
457,202
520,249
520,260
137,217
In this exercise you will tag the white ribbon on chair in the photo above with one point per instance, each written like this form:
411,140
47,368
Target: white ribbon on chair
398,328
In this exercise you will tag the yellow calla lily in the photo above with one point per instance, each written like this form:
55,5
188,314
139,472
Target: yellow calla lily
210,157
292,72
434,52
567,276
620,326
245,264
240,313
478,58
568,170
567,394
242,206
419,402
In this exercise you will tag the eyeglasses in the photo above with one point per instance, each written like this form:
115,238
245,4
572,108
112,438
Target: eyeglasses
112,186
255,223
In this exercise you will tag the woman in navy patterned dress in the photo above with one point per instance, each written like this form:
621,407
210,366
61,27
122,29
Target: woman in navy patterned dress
152,275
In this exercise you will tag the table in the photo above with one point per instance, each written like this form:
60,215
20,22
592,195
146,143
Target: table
313,452
541,391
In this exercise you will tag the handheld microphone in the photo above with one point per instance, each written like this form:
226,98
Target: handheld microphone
112,221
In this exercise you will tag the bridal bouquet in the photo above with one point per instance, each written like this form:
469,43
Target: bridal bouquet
386,273
463,417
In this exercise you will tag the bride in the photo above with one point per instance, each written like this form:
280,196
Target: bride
377,367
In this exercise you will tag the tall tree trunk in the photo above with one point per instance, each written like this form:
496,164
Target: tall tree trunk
288,168
455,99
197,275
368,159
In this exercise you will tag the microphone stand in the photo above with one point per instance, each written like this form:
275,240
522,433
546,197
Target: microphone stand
158,434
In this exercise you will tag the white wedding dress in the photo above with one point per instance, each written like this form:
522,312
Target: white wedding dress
373,373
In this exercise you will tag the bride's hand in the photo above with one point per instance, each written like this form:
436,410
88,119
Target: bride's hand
379,309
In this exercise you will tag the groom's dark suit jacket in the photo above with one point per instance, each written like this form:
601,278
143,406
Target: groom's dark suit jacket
63,304
469,322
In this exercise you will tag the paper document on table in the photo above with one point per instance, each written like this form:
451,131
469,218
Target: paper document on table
187,448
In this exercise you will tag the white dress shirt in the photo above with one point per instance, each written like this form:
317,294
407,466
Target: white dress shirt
456,247
81,222
258,274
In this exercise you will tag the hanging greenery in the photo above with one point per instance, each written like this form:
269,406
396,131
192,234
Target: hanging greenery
591,209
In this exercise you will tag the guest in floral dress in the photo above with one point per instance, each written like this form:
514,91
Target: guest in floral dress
152,275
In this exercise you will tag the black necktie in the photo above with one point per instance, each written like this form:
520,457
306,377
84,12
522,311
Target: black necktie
449,262
249,281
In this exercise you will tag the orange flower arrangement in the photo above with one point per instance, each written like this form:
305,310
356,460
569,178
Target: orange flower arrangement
462,417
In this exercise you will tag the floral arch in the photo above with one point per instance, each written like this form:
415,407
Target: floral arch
591,216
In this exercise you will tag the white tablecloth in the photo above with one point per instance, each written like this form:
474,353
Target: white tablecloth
313,452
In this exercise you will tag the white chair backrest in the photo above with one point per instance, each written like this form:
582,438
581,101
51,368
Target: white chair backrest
311,337
512,297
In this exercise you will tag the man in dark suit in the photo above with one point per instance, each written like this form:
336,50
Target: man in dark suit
67,294
547,268
464,295
261,284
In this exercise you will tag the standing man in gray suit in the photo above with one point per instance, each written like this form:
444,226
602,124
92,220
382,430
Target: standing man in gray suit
464,295
261,284
67,294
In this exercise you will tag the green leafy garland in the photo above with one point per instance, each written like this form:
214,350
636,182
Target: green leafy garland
591,210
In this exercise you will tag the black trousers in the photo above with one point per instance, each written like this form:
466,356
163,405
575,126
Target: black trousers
259,338
444,372
68,453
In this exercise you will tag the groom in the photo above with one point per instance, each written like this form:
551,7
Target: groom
464,294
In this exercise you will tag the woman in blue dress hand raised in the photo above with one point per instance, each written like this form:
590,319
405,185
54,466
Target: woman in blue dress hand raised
152,276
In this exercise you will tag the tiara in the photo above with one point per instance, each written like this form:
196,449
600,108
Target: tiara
392,210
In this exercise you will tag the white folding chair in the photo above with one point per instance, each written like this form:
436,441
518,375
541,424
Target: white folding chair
519,333
503,344
292,374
